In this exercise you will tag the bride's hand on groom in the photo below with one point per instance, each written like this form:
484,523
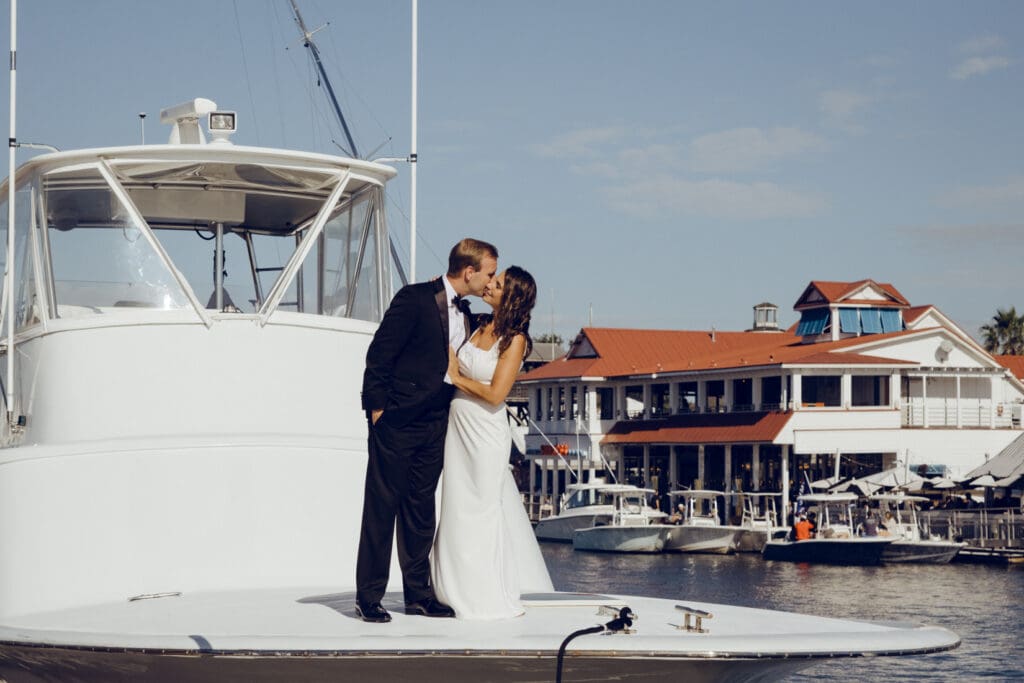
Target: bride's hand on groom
453,364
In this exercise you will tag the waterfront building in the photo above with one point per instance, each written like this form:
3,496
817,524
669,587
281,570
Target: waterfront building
864,382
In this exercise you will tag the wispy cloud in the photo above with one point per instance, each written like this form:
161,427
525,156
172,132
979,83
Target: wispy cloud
982,59
744,149
984,196
977,66
583,143
668,177
988,43
842,108
716,198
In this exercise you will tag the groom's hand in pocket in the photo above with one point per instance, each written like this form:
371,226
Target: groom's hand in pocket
375,415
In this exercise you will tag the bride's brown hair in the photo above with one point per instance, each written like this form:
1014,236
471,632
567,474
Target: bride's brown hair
512,316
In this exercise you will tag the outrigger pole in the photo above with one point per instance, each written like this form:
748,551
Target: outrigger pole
307,37
12,144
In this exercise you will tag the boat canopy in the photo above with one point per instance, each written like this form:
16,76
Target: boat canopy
215,229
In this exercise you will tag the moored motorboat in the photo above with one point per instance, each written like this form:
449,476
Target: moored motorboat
835,541
899,518
583,505
759,521
635,527
700,529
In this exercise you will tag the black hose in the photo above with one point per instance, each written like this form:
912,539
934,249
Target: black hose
621,622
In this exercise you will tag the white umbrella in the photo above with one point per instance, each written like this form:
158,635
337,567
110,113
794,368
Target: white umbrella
943,483
985,480
824,483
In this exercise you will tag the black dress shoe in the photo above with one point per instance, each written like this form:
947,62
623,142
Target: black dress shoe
430,607
373,612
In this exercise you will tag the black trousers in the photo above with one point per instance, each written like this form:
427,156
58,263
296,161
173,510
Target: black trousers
401,479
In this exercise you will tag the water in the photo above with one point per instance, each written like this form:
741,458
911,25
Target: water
980,603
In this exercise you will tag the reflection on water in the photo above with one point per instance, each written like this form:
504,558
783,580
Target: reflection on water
981,604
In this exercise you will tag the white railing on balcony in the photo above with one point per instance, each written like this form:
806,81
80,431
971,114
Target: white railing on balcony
941,412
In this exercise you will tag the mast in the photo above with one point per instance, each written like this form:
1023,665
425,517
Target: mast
9,261
412,152
307,37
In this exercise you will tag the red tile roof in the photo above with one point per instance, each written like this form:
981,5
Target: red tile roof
624,352
914,312
698,428
1014,364
834,292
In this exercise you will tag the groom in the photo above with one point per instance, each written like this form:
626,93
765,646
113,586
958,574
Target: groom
406,392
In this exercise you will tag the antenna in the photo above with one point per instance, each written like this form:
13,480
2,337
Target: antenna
307,40
8,304
142,123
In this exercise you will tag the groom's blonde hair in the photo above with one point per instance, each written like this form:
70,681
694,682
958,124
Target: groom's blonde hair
469,252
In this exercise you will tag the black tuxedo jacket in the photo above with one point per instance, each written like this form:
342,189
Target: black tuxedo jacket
408,357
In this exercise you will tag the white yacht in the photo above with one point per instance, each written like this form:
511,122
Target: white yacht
701,529
582,506
181,478
635,527
898,515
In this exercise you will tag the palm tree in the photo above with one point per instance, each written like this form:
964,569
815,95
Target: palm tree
1005,334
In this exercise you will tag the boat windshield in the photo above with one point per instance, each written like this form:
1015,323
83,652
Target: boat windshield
162,235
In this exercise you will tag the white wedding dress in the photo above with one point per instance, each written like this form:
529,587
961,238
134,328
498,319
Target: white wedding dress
485,553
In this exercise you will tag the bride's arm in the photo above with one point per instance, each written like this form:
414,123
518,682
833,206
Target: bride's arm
504,374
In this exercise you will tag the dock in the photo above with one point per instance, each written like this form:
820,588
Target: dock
976,555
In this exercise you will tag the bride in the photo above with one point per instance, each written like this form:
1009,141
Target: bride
485,551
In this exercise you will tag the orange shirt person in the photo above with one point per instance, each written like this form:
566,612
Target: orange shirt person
802,529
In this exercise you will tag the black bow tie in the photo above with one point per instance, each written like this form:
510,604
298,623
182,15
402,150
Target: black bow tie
461,303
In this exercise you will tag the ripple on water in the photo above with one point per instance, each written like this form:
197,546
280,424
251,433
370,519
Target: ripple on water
980,603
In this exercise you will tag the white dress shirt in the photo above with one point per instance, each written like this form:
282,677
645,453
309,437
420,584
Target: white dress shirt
456,320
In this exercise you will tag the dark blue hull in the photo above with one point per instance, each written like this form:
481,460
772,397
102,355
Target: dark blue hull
848,551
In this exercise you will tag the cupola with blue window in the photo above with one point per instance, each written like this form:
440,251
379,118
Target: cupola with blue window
830,311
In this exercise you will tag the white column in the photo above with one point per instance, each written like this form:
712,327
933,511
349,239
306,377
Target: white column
673,397
647,465
727,467
700,466
544,393
673,467
895,400
555,488
702,395
755,467
544,491
647,400
729,397
755,392
785,483
620,465
797,390
620,402
533,482
846,390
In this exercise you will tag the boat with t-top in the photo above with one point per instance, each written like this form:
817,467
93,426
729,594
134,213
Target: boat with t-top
700,528
835,541
897,513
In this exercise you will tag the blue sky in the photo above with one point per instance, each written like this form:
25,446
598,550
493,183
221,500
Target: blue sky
663,164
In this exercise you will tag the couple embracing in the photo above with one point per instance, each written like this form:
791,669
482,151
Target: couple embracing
434,394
